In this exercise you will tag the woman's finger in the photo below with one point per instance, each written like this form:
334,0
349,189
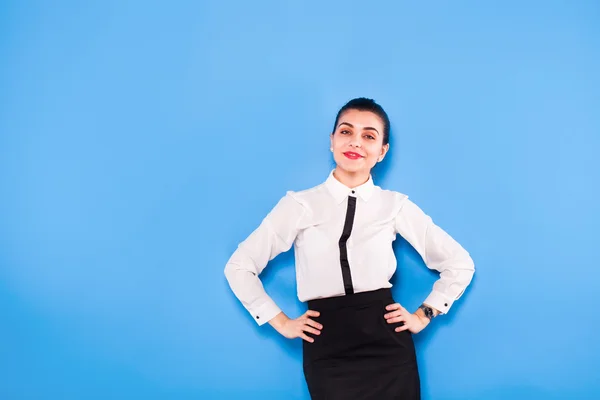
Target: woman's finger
396,319
304,337
312,313
392,314
313,323
309,329
401,328
394,306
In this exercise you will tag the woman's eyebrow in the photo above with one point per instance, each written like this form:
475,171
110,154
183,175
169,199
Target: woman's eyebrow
346,123
366,128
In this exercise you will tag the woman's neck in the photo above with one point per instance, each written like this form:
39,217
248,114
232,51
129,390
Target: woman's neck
351,179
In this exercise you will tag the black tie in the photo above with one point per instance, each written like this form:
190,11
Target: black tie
346,275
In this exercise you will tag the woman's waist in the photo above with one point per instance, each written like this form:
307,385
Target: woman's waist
349,300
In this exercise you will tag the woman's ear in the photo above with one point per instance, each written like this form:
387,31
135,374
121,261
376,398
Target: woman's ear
384,150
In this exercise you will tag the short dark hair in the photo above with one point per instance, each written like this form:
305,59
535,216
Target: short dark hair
364,104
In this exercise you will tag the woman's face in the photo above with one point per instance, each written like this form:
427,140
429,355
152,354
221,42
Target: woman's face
357,142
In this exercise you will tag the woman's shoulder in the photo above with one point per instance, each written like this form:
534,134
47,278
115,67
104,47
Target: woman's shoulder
306,194
299,200
391,195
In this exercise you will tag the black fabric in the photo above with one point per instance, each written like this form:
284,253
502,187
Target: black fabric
346,275
358,355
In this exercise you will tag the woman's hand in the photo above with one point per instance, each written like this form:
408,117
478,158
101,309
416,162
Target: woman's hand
293,328
415,323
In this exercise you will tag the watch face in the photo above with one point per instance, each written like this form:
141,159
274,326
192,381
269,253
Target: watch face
428,312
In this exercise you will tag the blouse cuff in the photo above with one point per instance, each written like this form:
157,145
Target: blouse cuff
439,301
265,312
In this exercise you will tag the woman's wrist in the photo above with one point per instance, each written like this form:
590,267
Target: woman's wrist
421,315
279,321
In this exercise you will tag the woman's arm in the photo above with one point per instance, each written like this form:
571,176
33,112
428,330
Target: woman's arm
274,235
440,252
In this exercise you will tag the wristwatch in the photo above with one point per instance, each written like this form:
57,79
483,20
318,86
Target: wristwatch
428,311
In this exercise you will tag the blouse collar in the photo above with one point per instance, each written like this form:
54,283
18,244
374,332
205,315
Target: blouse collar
339,191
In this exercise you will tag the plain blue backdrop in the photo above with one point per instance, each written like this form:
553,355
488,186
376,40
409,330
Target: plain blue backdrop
140,142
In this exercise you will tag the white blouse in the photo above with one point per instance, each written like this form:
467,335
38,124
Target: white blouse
342,240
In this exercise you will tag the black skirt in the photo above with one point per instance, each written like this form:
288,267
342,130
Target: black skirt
358,354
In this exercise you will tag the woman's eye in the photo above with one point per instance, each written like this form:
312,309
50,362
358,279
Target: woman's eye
344,131
370,137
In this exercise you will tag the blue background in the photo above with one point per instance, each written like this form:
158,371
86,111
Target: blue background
141,141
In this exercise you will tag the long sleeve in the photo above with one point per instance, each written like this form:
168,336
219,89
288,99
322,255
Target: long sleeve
439,251
274,235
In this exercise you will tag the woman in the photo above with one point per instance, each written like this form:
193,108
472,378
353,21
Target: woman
357,341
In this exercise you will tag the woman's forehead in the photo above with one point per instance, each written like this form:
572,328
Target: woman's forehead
360,119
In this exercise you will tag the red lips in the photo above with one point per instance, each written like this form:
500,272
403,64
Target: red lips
353,156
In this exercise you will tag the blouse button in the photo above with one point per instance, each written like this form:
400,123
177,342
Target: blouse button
353,192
